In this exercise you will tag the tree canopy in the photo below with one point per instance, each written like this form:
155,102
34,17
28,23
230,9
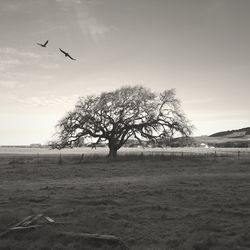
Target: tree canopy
116,116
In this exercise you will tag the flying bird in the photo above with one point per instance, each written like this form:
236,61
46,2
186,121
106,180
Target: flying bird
43,45
67,54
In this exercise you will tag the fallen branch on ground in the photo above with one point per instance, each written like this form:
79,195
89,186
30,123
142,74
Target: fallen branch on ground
27,223
102,237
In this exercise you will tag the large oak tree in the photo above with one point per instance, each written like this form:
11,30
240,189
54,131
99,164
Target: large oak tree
128,112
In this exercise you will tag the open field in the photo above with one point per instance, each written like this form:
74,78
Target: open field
123,151
160,202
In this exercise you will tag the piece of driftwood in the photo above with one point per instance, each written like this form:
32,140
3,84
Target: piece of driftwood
103,237
18,228
32,220
2,234
50,220
28,218
16,225
24,228
27,223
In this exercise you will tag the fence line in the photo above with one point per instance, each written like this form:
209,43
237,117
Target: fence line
59,158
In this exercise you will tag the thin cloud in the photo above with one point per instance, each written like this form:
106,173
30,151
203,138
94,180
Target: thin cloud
9,61
50,66
200,101
68,2
48,101
88,23
11,6
221,115
5,63
53,28
94,2
8,84
90,26
15,52
14,74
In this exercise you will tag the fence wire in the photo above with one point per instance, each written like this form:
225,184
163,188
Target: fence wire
60,158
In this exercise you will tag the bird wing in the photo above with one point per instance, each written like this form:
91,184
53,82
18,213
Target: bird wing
63,51
39,44
46,42
71,57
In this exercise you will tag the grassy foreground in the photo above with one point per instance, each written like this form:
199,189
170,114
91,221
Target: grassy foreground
172,203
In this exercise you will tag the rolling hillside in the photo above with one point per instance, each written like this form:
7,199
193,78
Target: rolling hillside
232,138
233,133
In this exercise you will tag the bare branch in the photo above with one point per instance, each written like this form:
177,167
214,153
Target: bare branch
124,113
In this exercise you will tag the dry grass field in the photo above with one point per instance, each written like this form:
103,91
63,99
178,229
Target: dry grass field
150,203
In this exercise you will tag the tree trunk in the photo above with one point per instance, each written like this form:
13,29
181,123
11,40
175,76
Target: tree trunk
112,151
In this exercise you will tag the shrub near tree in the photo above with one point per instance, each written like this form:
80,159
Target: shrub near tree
126,113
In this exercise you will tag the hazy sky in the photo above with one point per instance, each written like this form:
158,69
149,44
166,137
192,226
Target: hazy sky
199,47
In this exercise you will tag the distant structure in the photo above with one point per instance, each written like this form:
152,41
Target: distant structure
204,145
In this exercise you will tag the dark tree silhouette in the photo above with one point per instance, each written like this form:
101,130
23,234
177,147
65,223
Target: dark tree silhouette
128,112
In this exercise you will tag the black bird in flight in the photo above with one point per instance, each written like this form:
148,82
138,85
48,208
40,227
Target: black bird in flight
67,54
43,45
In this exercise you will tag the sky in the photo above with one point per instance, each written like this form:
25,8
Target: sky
198,47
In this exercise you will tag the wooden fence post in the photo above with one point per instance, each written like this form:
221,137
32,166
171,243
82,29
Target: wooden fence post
141,156
81,159
38,160
60,159
162,156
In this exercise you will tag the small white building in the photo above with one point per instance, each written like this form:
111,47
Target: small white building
204,145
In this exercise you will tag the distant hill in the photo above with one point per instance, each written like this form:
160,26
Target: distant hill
238,138
233,133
